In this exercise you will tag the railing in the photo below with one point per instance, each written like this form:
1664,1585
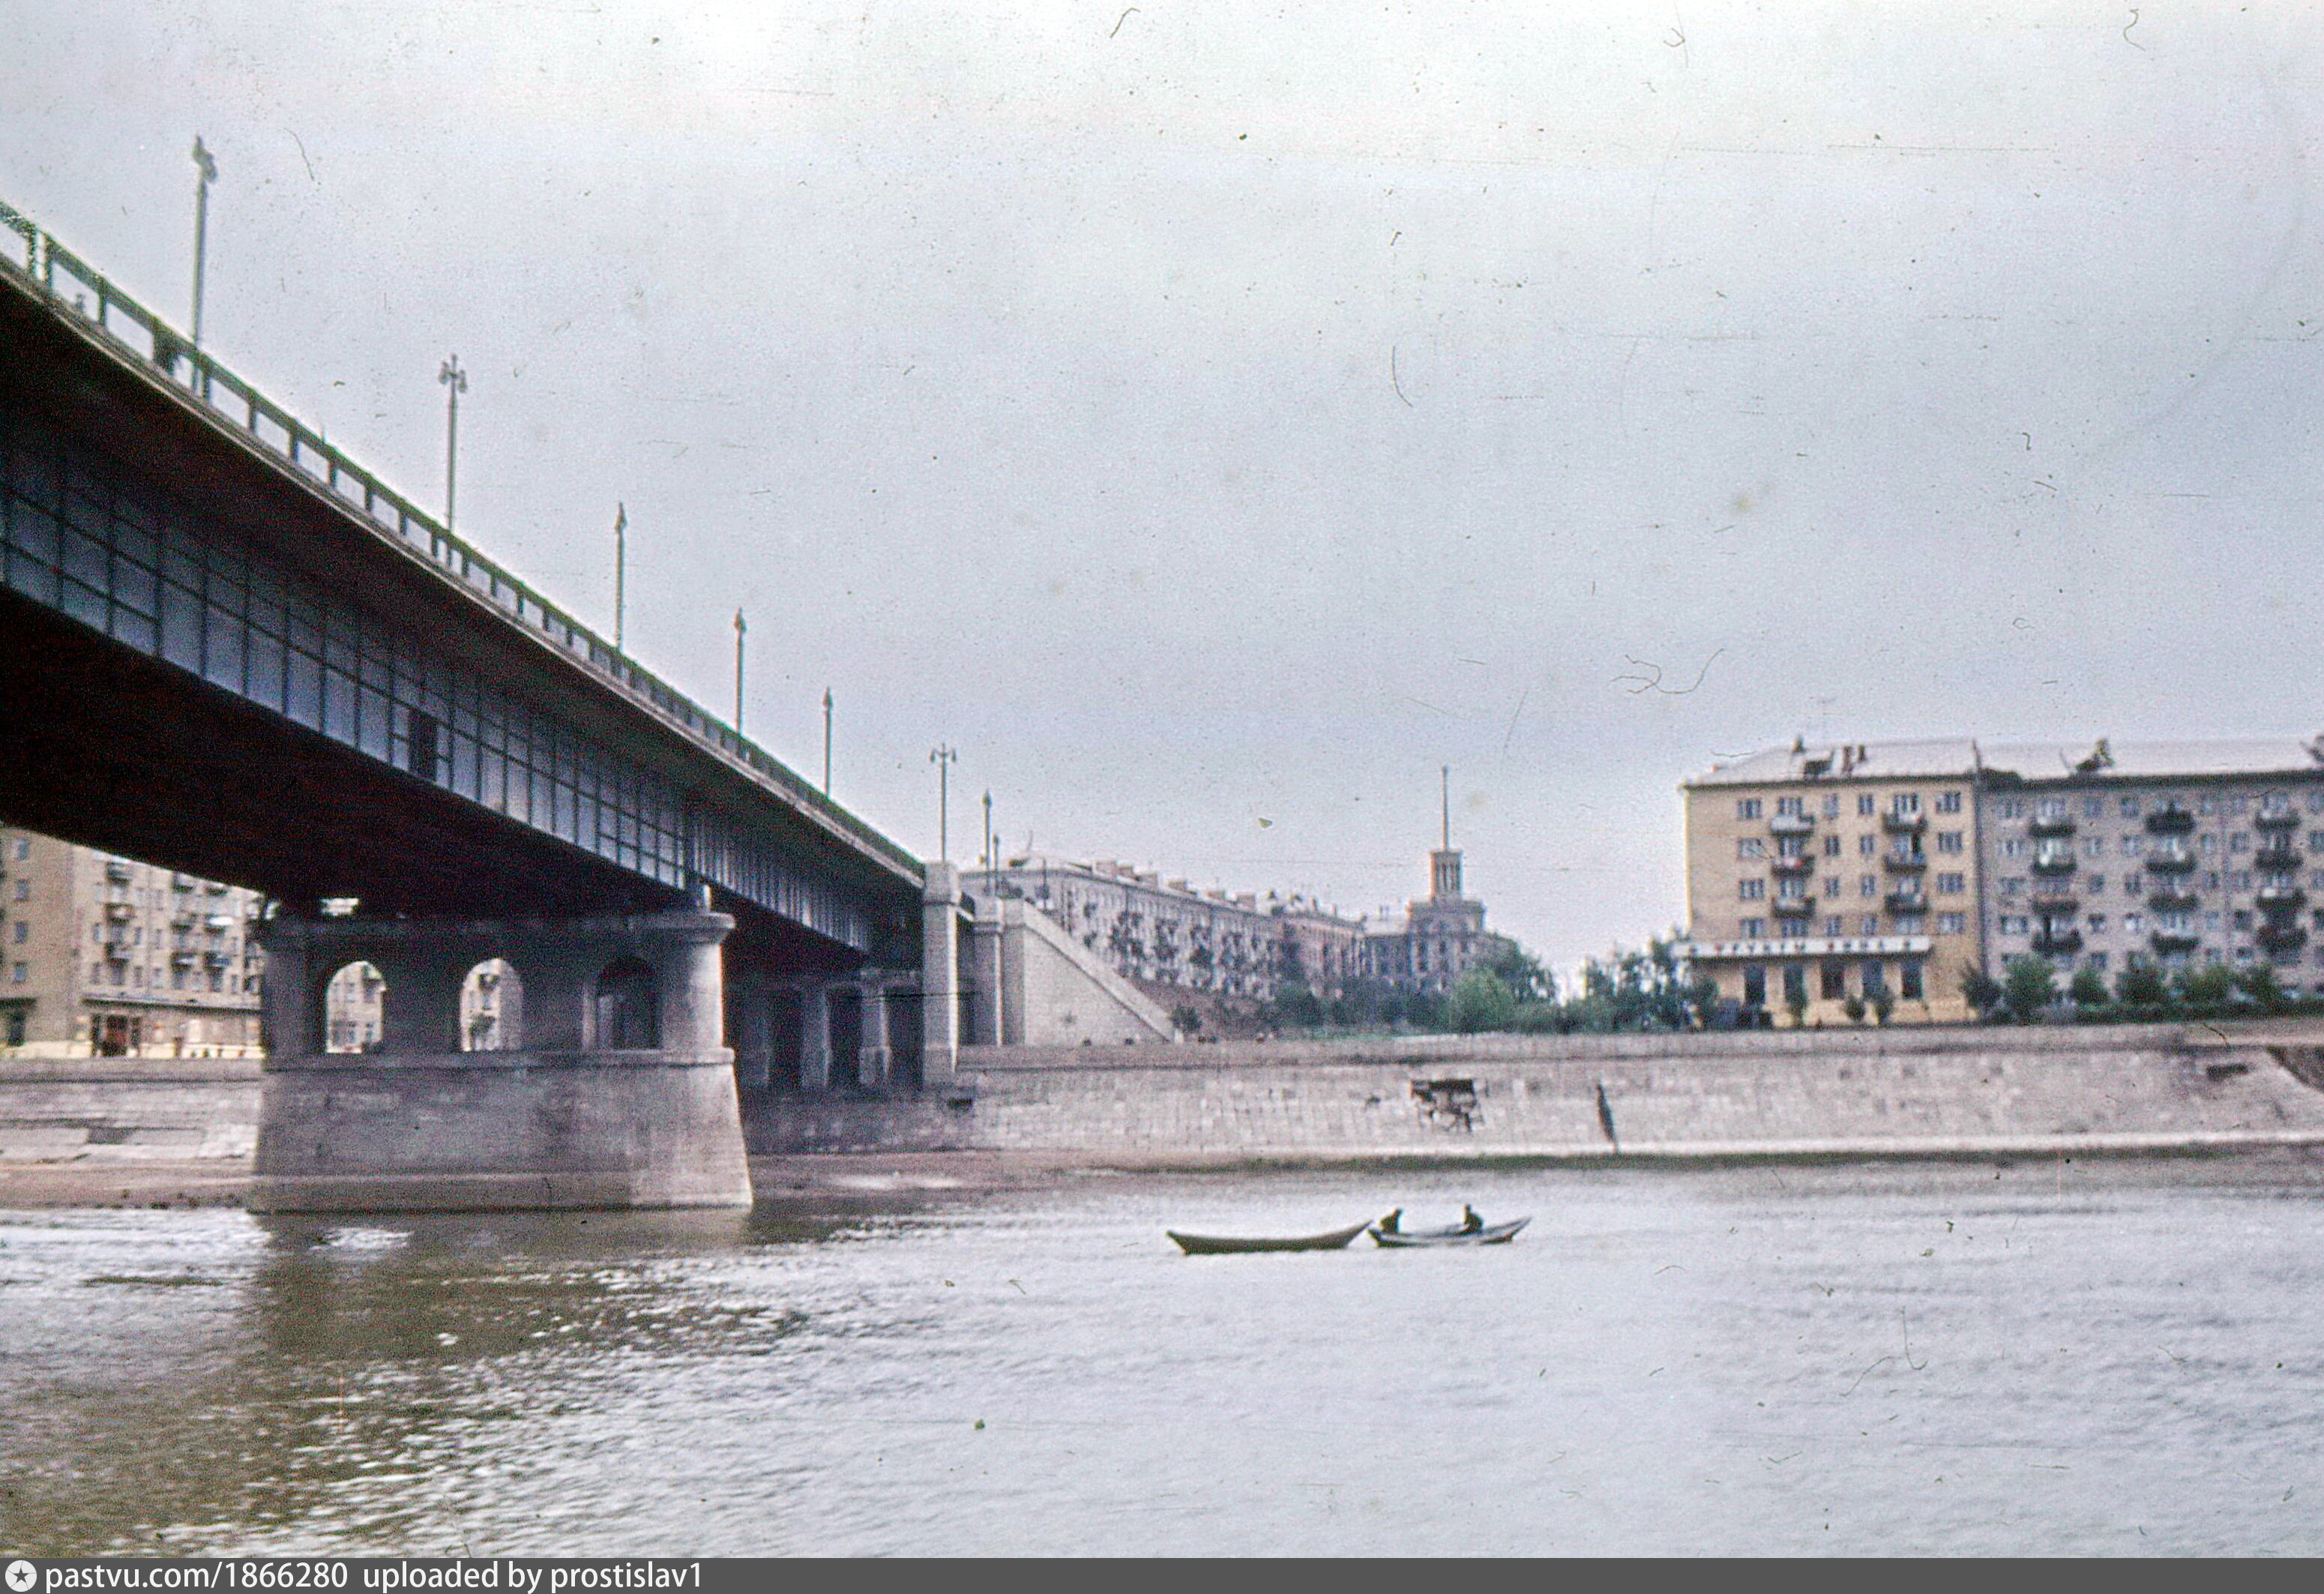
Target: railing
70,283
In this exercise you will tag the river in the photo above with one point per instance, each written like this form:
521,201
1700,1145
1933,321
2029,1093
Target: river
2108,1358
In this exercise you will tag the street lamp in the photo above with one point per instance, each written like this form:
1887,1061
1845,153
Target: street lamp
827,741
739,630
944,758
456,381
620,566
205,174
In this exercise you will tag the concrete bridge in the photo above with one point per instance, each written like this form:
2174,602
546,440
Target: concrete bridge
230,650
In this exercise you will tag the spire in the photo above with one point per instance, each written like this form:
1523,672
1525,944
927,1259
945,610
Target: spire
1444,775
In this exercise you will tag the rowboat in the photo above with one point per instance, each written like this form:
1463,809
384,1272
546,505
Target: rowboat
1490,1234
1213,1245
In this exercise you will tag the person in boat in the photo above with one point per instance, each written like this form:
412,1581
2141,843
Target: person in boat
1392,1224
1471,1223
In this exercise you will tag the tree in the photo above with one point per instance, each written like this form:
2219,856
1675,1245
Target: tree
2258,982
1795,1003
1477,1002
1522,973
2207,987
2088,988
2028,985
1883,1004
2142,986
1980,989
1854,1007
1186,1018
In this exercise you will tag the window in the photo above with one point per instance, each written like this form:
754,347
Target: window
1868,804
2208,806
1792,846
1952,885
1832,884
1831,808
1909,978
2208,842
2014,847
23,849
1949,802
2097,923
16,1032
1867,885
1750,846
1795,986
1952,924
1751,890
2050,808
2014,885
1790,888
2094,807
1791,806
1950,841
1867,845
1869,924
1875,979
1831,846
1746,808
19,973
21,931
2241,880
1904,802
2240,841
2014,924
2093,884
2094,847
1755,986
1752,929
1835,926
2133,845
2132,922
2009,808
24,888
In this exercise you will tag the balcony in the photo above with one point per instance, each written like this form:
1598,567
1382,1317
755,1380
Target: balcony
2172,820
118,874
1792,825
2056,901
2057,862
1794,907
2169,941
2276,856
2277,819
2278,938
1903,863
119,911
2177,860
2171,899
2282,898
2050,942
1905,903
1803,864
183,957
2051,824
1896,823
217,957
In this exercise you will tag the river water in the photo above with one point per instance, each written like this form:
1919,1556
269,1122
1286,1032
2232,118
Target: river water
2047,1357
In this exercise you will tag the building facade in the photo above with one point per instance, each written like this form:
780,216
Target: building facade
1440,937
2180,855
103,956
1836,872
1822,877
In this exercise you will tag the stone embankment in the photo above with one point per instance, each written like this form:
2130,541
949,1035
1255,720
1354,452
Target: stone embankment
1831,1093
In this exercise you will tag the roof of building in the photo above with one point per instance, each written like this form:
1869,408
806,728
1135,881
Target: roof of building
1937,758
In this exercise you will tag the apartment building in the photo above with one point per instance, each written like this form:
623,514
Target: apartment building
1439,938
104,956
2179,854
1819,877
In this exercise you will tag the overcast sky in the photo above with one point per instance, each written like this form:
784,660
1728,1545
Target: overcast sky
1211,422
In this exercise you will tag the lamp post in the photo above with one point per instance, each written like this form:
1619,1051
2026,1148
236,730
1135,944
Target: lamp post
991,861
455,383
620,566
740,629
827,741
205,174
944,758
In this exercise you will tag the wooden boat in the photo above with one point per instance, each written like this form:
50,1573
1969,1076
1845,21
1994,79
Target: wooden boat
1490,1234
1213,1245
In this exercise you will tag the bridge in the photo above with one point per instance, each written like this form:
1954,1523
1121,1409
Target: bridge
230,650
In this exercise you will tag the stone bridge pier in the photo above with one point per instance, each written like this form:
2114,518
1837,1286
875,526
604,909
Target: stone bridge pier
498,1064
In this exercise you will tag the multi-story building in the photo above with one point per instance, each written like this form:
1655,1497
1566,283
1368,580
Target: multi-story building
1820,876
1440,937
1168,933
1830,873
2178,854
103,956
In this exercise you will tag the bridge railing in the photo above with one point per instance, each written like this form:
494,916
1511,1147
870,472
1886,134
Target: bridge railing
72,283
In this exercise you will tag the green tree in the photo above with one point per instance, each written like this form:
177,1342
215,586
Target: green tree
1522,973
1980,989
2028,985
1883,1004
1480,1002
2142,986
2088,988
2207,987
2258,984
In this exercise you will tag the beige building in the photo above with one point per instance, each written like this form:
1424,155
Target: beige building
102,956
1818,876
1441,936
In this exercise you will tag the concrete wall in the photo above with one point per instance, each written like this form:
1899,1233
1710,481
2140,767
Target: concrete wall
1056,992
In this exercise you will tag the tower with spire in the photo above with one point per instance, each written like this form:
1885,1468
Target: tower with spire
1441,936
1444,863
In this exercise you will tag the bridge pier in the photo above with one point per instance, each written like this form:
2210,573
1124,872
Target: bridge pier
614,1088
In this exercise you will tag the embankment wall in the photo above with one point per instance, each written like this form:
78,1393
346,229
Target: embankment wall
101,1109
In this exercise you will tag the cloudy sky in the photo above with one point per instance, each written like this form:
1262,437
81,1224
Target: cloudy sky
1212,423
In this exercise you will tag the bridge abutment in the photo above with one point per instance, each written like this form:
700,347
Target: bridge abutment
612,1086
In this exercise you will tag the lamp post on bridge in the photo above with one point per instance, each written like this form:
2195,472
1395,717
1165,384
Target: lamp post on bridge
621,567
205,173
944,758
455,383
740,629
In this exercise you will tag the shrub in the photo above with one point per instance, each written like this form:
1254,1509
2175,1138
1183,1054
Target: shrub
2028,985
2088,988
